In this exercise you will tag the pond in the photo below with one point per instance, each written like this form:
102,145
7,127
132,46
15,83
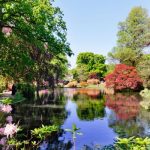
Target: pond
101,118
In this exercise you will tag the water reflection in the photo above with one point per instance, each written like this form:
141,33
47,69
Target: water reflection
101,118
89,108
49,109
126,117
125,106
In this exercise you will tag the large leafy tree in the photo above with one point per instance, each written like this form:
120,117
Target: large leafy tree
133,37
89,63
32,33
144,70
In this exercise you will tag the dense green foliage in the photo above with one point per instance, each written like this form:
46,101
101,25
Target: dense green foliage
16,99
133,37
144,70
89,63
33,36
132,143
26,89
43,131
3,83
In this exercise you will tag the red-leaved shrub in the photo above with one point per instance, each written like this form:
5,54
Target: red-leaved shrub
123,78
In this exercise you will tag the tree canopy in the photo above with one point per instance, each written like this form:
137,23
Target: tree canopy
133,37
32,34
89,63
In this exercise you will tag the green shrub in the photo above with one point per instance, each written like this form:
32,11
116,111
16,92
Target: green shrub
11,100
2,84
26,89
44,131
133,143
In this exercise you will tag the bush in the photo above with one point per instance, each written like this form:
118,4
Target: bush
12,100
72,84
146,99
93,75
144,71
83,84
133,143
124,78
2,83
93,81
26,89
145,93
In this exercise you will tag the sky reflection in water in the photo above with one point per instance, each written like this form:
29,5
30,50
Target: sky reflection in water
101,118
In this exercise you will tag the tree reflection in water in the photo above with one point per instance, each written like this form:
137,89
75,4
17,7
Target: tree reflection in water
125,106
123,118
48,110
90,104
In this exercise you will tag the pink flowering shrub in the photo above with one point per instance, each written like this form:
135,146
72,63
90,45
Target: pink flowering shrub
9,119
10,130
1,131
3,141
6,108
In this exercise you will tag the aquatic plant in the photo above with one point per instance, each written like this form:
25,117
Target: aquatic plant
44,131
74,132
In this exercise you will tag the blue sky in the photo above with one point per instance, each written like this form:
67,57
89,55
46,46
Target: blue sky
93,24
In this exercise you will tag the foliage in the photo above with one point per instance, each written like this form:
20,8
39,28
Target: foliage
132,143
93,75
12,100
81,72
110,68
26,89
144,70
124,78
44,131
3,82
32,35
145,93
133,37
83,84
93,81
74,131
146,96
89,63
72,84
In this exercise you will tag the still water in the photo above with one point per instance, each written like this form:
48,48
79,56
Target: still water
101,118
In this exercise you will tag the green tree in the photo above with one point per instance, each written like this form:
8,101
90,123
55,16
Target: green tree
87,63
144,70
32,33
133,37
